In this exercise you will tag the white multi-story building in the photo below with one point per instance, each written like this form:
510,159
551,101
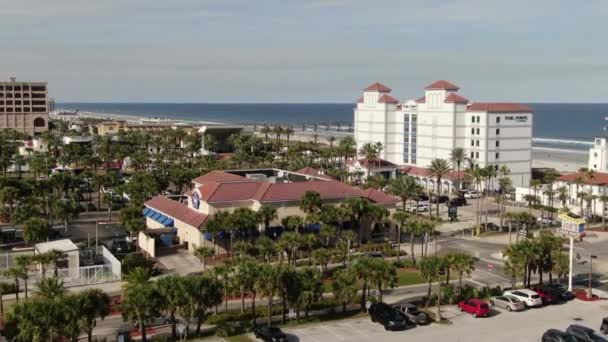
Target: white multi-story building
416,132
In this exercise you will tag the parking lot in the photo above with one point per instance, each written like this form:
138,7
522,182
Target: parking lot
505,326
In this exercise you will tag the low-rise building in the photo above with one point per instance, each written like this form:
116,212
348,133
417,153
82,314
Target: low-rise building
219,191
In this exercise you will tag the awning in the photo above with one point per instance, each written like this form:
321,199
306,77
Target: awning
158,217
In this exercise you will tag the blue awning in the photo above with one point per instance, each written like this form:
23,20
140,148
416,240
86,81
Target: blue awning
146,211
156,216
167,221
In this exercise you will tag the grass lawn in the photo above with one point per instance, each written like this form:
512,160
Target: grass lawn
239,338
404,277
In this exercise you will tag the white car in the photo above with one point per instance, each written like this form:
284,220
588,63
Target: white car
472,194
529,297
421,207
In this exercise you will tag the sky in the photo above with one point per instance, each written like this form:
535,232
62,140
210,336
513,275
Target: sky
306,51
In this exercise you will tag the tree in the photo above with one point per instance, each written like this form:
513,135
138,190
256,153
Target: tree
362,268
50,288
203,253
358,209
322,256
35,229
22,263
171,294
371,153
311,289
93,303
292,222
430,270
384,274
344,288
140,300
245,275
311,202
404,187
132,219
463,264
400,217
266,214
8,197
604,200
268,284
457,156
439,168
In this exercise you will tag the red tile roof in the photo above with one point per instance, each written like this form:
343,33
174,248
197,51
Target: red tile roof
312,172
421,100
423,172
599,178
387,99
177,211
375,163
283,192
228,191
498,107
217,176
380,197
442,85
455,98
379,87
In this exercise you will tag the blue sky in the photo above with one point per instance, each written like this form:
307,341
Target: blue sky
306,51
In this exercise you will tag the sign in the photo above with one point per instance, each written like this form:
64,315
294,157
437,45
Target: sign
196,201
517,118
490,266
453,212
572,224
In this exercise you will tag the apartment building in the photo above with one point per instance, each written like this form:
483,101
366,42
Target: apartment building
24,106
413,133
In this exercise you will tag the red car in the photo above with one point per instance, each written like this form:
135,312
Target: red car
546,296
476,307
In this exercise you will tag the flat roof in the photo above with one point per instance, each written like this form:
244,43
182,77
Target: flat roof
64,245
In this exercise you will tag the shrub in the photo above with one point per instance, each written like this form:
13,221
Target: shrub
226,330
134,260
404,263
7,288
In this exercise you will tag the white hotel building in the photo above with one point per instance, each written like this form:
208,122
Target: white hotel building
414,133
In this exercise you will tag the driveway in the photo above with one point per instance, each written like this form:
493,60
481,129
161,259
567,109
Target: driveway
504,326
181,262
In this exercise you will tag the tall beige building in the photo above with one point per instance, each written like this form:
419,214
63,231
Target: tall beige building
24,106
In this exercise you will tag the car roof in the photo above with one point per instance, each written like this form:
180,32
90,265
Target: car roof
478,301
526,291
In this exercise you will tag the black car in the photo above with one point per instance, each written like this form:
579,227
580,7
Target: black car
583,333
554,335
560,291
456,202
420,198
604,326
270,334
389,317
441,199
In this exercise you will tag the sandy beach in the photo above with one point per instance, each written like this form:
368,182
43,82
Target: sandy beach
138,118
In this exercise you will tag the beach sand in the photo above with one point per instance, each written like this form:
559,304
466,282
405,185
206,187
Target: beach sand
561,160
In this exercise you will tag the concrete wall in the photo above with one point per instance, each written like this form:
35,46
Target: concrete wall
146,244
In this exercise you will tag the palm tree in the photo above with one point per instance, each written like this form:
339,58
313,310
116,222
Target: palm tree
405,187
477,175
322,256
358,209
203,253
439,168
140,300
400,217
22,263
311,202
50,288
266,130
505,184
562,195
384,274
267,214
171,293
604,200
463,264
344,288
93,303
430,270
371,153
267,284
362,268
457,156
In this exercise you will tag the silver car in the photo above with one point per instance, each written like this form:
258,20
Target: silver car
510,303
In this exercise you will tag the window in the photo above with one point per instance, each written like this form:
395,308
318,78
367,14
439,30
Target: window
472,155
477,155
498,119
478,119
477,143
497,155
478,131
472,119
498,131
472,131
497,143
472,142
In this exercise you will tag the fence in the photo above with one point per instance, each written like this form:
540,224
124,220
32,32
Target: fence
77,276
110,259
7,260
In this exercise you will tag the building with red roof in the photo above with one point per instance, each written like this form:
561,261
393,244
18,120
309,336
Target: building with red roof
228,190
416,132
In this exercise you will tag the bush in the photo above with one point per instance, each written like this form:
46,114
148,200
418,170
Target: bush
134,260
404,263
7,288
226,330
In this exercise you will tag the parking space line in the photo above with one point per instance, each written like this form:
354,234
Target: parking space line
338,336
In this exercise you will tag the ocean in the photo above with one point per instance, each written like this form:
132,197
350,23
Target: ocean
556,125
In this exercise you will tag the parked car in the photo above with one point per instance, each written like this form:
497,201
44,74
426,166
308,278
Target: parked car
554,335
155,321
420,207
270,334
529,297
413,314
547,295
561,291
490,227
389,317
548,221
604,326
420,198
472,194
441,199
375,254
456,202
510,303
583,333
476,307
